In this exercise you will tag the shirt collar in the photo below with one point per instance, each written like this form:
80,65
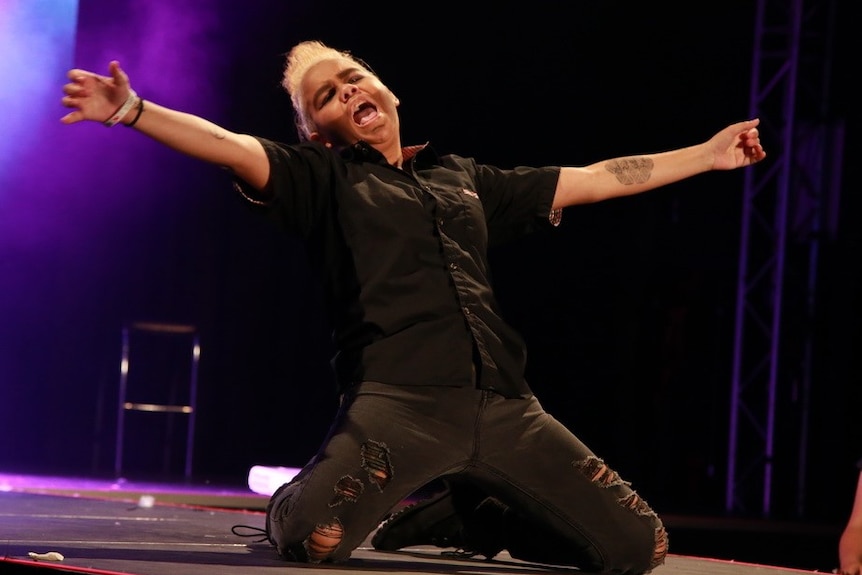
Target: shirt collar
362,151
410,151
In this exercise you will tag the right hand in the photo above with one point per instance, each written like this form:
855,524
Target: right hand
94,97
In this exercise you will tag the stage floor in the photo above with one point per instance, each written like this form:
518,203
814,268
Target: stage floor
109,528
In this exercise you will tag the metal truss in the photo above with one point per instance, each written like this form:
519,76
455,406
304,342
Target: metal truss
784,219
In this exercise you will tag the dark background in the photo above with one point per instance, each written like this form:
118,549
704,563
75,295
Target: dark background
628,308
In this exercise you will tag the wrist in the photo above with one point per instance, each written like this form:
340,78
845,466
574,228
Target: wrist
139,109
123,110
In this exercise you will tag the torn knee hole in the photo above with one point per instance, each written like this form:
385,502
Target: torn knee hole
635,503
375,461
347,489
598,472
661,547
324,540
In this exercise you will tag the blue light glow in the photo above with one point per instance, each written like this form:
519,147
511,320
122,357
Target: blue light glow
37,39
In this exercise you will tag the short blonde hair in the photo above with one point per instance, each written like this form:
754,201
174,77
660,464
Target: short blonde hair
299,60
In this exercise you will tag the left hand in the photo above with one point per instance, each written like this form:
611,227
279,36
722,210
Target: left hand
737,145
93,96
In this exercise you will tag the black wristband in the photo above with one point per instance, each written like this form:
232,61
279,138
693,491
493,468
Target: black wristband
137,115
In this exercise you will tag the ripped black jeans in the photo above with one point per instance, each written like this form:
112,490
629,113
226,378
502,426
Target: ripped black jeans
389,441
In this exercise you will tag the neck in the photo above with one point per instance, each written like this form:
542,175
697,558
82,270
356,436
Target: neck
392,152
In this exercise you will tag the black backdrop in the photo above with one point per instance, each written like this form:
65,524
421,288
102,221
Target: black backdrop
627,309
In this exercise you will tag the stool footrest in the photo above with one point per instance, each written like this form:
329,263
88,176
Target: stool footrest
156,407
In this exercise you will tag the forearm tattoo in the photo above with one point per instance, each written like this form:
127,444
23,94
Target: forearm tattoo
630,170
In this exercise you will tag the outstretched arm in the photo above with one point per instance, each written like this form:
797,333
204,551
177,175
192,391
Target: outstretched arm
98,98
850,543
735,146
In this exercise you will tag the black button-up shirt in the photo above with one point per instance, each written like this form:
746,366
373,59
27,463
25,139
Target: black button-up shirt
403,257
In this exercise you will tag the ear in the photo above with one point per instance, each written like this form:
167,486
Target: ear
317,137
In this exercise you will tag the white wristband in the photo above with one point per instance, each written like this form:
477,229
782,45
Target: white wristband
123,110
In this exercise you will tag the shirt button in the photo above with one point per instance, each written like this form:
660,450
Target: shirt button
453,266
466,310
440,222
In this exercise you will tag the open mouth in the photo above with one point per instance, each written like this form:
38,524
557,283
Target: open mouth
364,114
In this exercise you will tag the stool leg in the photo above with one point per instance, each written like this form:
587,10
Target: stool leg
193,391
121,404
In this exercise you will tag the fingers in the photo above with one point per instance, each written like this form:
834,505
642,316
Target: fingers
752,147
77,74
746,126
92,96
75,89
117,76
72,117
117,73
83,85
749,124
751,136
86,80
75,115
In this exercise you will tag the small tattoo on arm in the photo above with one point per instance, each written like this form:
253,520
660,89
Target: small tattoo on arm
630,170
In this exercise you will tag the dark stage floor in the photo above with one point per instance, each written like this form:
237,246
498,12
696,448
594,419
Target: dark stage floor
131,528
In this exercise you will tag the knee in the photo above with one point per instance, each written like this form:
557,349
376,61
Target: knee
654,544
637,555
323,542
295,542
660,547
307,531
320,546
646,545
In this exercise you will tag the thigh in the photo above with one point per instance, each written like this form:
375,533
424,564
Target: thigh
386,442
551,478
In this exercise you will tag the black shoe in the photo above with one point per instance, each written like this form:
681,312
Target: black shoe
436,521
432,521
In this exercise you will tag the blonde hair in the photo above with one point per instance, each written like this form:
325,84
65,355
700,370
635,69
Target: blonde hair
299,60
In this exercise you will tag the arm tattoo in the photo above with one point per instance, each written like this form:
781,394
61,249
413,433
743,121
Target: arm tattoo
630,170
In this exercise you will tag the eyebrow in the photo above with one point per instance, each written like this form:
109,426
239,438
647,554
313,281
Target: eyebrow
340,75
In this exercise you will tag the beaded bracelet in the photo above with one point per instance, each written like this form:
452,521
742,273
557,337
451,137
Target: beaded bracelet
137,115
122,110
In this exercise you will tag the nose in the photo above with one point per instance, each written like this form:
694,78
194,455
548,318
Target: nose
347,91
